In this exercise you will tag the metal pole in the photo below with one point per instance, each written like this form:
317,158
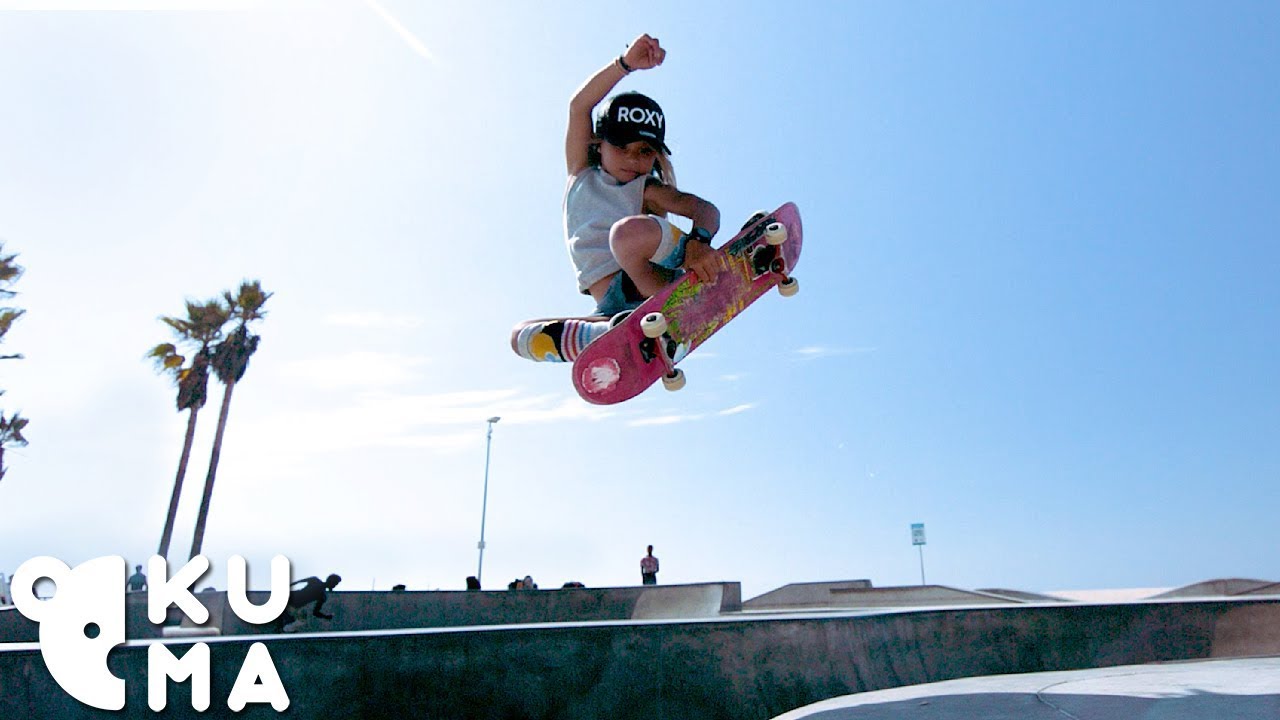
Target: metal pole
484,508
921,547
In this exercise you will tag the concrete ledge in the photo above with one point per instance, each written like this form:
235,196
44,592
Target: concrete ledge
727,667
359,611
353,611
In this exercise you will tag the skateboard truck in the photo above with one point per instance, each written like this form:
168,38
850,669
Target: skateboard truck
775,234
654,327
768,259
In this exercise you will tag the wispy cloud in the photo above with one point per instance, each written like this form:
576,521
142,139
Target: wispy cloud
440,421
663,420
409,38
472,407
374,320
688,417
356,370
814,352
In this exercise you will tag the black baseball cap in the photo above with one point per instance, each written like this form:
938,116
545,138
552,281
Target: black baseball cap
629,117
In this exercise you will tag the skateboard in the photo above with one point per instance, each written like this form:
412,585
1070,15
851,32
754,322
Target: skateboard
647,345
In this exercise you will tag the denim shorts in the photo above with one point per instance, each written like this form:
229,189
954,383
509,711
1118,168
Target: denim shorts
622,294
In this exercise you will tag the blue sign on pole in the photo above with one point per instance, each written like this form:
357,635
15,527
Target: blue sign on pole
917,539
917,534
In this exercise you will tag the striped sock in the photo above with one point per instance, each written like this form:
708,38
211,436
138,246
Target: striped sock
558,340
578,334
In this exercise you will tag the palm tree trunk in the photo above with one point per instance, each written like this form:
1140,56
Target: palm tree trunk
167,535
197,542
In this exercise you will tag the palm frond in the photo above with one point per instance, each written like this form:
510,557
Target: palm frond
10,271
11,430
249,301
166,357
8,316
202,326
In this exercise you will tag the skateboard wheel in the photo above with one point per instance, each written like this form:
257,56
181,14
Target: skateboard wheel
653,325
755,217
775,234
789,287
674,381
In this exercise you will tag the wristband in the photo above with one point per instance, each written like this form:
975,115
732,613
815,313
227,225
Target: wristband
701,235
622,65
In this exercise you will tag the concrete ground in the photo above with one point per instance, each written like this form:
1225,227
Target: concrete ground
1240,689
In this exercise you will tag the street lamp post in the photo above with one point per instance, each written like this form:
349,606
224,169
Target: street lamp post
484,508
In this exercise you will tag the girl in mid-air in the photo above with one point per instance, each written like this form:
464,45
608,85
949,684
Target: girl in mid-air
621,188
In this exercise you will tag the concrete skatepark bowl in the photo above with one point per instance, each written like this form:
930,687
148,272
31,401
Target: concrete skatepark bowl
727,665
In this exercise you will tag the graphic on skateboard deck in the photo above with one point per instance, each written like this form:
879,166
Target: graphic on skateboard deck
645,347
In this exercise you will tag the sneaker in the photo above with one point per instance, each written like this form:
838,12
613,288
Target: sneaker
756,216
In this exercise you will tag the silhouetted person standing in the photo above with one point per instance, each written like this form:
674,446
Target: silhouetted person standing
649,568
137,581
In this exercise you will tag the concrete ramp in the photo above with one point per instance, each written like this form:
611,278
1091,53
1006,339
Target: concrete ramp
679,602
1193,690
1226,587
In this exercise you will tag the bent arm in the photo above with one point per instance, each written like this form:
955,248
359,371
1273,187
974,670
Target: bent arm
319,604
580,134
663,199
642,54
699,258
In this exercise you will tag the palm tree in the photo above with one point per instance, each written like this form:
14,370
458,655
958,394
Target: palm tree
11,426
230,361
201,328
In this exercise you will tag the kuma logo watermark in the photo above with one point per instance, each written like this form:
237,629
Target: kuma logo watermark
85,618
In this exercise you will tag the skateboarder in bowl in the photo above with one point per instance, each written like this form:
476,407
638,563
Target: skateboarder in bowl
313,590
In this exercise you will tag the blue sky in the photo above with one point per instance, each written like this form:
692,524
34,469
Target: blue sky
1038,307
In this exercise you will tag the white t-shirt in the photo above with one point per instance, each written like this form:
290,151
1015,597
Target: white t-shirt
593,202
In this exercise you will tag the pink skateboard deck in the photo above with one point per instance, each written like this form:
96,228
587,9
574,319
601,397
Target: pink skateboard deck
646,346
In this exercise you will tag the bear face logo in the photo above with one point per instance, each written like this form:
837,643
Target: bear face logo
79,625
